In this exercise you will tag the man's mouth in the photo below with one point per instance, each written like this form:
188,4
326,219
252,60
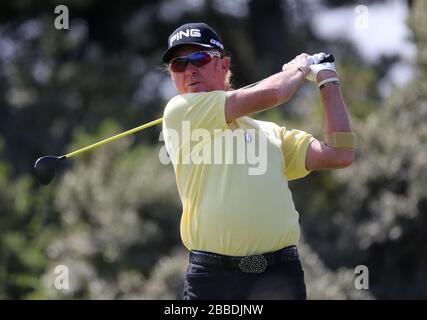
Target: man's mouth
193,84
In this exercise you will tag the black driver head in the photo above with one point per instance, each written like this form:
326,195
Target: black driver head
45,168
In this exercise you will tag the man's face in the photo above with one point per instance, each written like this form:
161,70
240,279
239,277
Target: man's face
209,77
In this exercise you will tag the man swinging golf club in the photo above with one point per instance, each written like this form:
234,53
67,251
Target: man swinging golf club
242,230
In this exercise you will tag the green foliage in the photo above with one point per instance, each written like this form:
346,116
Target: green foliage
23,227
118,211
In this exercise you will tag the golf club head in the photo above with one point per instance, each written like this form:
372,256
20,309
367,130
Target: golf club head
45,168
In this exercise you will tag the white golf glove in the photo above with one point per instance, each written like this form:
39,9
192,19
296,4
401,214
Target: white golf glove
315,66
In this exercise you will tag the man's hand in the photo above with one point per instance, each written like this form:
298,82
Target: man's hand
300,62
316,67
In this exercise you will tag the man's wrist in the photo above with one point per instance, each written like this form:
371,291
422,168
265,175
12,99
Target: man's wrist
328,81
304,71
325,74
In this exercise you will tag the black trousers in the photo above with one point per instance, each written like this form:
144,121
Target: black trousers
284,281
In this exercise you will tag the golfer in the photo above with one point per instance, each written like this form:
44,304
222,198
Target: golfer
242,229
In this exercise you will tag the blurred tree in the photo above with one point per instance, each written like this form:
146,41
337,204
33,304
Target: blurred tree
27,225
119,214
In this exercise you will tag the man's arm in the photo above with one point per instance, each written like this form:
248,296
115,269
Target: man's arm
319,154
270,92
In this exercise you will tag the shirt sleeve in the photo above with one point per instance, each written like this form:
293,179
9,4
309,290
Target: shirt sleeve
294,146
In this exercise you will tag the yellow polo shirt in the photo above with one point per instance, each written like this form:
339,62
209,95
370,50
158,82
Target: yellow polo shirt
233,178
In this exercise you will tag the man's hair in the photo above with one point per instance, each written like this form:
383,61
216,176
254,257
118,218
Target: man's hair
227,80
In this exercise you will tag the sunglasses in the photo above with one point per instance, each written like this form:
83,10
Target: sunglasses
197,59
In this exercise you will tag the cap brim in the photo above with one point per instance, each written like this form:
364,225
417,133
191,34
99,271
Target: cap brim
168,53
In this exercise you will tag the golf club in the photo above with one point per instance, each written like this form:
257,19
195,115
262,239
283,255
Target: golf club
45,167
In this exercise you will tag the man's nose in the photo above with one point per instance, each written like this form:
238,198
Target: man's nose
190,69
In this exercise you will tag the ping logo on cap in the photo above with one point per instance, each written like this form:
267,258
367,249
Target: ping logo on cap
187,33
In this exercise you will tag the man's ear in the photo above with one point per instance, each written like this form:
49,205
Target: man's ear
225,64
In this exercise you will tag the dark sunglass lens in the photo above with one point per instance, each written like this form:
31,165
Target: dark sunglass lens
179,64
199,59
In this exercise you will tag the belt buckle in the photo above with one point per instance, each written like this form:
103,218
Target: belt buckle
256,263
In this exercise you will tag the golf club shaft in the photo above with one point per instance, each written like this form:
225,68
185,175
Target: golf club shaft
124,134
118,136
328,58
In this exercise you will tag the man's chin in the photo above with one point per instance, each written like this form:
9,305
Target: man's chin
198,87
